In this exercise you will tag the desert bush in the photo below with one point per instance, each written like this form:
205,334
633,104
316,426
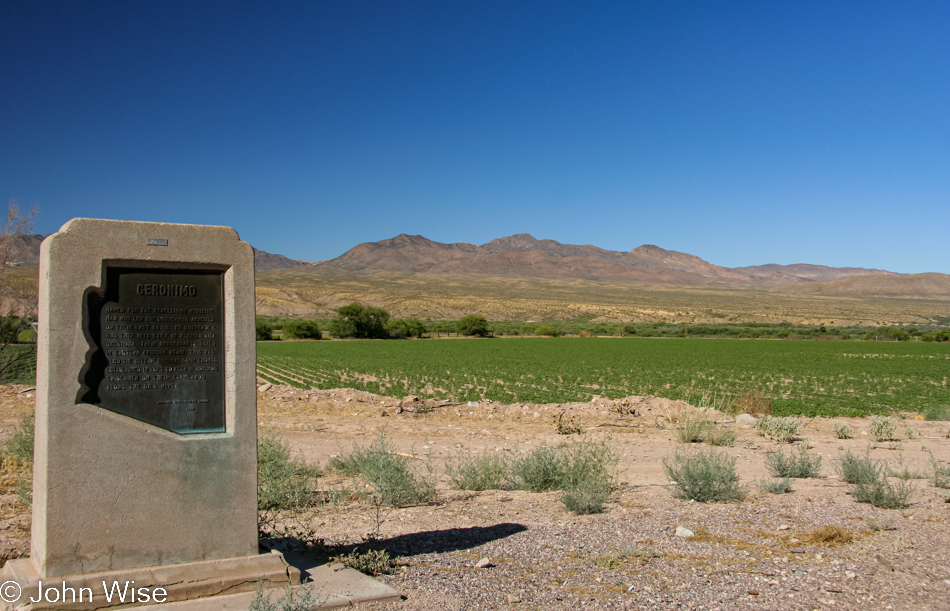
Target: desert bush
882,428
788,465
283,482
588,475
869,483
370,562
754,403
704,476
392,479
583,471
484,472
294,598
586,497
937,412
842,430
721,435
692,427
882,493
782,429
539,471
776,486
857,469
939,474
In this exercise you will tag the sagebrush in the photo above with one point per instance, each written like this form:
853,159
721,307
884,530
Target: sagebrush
390,476
704,476
802,466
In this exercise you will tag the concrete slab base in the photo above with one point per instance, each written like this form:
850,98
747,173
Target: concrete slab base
333,586
23,589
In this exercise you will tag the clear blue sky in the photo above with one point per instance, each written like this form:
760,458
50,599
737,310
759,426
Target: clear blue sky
742,132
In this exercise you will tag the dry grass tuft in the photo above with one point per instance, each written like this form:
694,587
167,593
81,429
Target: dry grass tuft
829,535
753,403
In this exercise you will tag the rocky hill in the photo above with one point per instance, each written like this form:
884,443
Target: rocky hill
522,255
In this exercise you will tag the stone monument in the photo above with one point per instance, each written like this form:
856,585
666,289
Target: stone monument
146,419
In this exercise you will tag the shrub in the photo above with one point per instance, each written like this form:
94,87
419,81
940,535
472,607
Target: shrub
882,428
857,469
282,482
869,483
370,562
264,330
302,329
583,471
390,476
881,493
400,328
842,430
721,435
785,465
586,498
548,331
588,475
940,474
473,324
539,471
692,427
783,430
294,598
484,472
777,486
937,413
704,476
361,322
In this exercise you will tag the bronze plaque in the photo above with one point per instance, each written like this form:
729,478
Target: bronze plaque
157,348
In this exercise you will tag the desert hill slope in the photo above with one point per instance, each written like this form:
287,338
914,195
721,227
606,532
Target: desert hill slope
522,255
914,286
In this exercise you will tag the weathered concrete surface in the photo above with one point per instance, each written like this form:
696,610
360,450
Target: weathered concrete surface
333,586
111,492
179,582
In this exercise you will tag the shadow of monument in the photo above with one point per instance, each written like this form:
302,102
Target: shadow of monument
441,541
412,544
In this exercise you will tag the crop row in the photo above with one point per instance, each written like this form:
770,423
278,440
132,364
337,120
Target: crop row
812,378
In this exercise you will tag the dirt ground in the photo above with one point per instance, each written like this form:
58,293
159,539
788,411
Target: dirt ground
764,552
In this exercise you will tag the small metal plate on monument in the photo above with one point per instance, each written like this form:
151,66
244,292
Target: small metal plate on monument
157,348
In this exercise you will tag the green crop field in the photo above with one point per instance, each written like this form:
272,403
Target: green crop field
800,377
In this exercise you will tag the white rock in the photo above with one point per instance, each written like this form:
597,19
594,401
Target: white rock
484,563
745,420
684,532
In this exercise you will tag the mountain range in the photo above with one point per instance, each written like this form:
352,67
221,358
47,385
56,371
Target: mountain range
523,255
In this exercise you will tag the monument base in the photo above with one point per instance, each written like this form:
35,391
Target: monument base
23,589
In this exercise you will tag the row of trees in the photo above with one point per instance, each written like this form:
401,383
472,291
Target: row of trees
367,322
359,321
